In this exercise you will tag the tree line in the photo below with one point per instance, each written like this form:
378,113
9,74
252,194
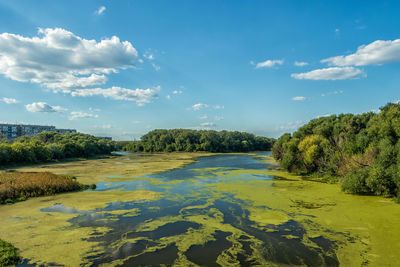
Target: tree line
50,146
362,151
199,140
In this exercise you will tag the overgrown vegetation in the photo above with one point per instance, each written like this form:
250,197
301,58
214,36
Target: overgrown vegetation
8,254
17,186
193,140
50,146
362,150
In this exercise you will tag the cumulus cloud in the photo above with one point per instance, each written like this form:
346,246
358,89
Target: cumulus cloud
218,118
101,10
300,63
60,60
78,115
299,98
199,106
219,107
177,92
43,107
334,73
268,63
207,124
9,100
140,96
376,53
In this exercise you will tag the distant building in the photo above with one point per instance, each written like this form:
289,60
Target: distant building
16,130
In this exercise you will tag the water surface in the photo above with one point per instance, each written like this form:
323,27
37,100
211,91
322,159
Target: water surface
224,210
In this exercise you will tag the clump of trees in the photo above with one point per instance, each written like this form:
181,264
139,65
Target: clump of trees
363,151
50,146
195,140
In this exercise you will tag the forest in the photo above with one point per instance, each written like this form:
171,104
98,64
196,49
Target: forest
199,140
50,146
361,151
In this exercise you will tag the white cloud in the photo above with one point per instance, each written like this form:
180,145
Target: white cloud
203,117
300,63
177,92
148,55
199,106
299,98
219,118
140,96
334,73
101,10
61,60
376,53
168,97
43,107
268,63
9,100
155,66
95,109
136,122
207,124
291,126
219,107
78,115
332,93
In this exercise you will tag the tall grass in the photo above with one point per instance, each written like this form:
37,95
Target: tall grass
15,186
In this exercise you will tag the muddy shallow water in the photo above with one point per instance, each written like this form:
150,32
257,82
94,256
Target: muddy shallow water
223,210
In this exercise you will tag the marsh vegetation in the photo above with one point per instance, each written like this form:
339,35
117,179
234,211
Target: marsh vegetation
220,210
17,186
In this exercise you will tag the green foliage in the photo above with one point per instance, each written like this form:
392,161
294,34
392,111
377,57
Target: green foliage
362,150
8,254
193,140
49,146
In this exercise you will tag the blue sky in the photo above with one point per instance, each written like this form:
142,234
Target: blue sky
122,68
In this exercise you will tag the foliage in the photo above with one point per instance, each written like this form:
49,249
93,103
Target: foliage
8,254
16,186
194,140
49,146
362,150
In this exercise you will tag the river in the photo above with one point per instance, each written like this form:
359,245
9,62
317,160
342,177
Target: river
222,210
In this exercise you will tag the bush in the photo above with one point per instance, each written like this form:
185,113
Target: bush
8,254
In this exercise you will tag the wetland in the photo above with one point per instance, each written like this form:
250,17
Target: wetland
191,209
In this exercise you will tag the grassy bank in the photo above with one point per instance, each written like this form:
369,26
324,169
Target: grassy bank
8,254
17,186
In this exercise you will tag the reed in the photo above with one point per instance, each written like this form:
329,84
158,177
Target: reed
18,186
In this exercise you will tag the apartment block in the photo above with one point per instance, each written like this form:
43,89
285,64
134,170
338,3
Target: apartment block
16,130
